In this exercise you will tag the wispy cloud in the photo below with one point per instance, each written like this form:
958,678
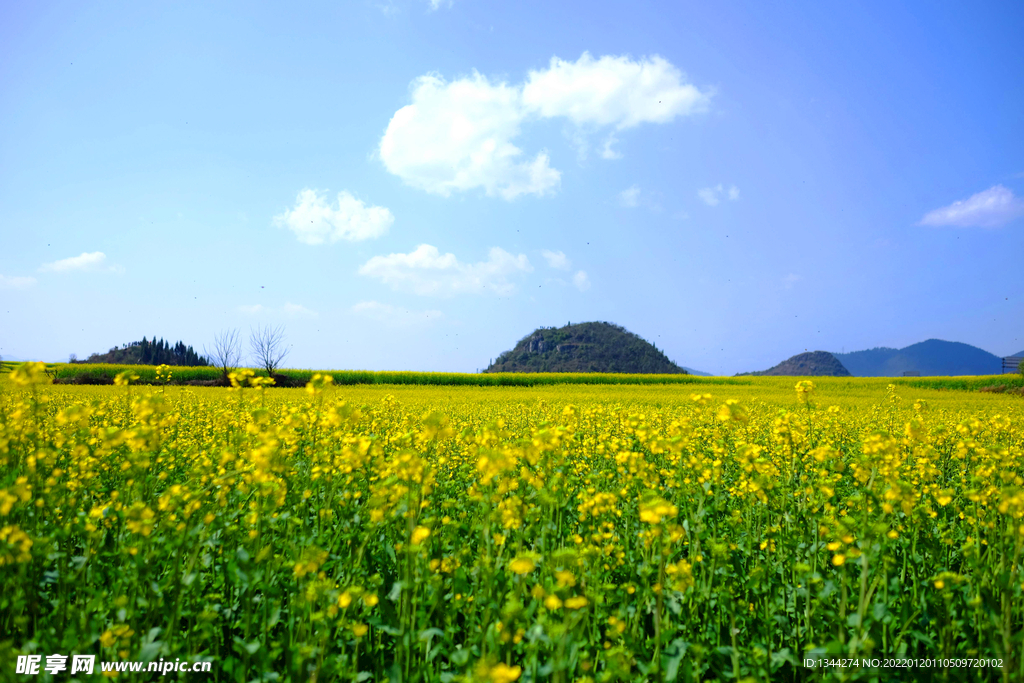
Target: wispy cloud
581,281
992,208
630,197
606,150
633,197
713,196
86,262
426,271
395,316
556,259
297,311
16,282
458,135
791,279
315,221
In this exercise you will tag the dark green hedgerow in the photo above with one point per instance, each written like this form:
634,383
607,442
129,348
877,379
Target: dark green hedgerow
104,374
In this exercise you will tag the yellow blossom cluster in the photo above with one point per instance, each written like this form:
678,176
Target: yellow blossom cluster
589,533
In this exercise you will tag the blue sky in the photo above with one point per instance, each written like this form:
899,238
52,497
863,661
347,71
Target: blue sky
408,185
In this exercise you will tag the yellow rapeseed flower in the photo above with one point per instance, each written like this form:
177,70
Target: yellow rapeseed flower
522,565
576,602
502,673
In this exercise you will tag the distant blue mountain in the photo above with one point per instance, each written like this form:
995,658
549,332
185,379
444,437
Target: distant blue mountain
697,372
932,357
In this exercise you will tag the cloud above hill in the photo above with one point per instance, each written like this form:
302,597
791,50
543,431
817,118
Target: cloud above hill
428,272
314,221
458,135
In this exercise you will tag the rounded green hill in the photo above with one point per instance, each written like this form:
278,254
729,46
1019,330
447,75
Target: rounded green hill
584,347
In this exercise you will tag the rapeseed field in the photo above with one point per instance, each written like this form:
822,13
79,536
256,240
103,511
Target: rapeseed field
558,533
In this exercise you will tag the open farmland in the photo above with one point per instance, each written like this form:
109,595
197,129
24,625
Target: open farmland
711,530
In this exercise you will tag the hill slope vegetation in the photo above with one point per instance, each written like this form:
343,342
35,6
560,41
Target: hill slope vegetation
931,357
584,347
810,364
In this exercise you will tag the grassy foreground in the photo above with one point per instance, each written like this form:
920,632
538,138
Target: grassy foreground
565,533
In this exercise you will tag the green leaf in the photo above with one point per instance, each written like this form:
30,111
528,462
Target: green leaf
672,657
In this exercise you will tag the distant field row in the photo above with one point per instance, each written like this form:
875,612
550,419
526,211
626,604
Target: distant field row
99,373
66,373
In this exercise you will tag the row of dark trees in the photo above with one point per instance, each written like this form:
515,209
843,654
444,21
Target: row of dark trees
267,349
150,352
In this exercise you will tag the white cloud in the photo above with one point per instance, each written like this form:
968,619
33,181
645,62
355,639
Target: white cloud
437,4
556,259
16,282
612,91
791,279
314,221
85,262
458,135
426,271
255,309
581,281
712,196
992,208
630,197
394,316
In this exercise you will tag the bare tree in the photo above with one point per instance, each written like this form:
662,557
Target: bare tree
226,353
268,347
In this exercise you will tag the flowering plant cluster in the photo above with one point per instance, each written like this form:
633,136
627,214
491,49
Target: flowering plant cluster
575,534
